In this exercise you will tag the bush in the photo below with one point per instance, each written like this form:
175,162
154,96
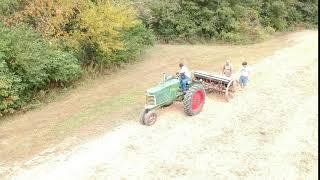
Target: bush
108,34
10,87
95,31
229,20
28,64
8,7
50,18
135,40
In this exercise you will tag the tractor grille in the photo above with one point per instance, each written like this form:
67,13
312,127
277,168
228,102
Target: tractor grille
150,101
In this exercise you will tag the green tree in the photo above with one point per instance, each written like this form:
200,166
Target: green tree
28,64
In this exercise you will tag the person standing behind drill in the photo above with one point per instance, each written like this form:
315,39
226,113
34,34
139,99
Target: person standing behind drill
227,69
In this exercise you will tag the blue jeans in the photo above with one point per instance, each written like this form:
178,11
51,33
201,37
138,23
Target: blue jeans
184,83
243,81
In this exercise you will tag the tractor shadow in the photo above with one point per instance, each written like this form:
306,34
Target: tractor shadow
177,106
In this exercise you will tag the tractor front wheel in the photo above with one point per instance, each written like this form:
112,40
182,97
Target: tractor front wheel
148,118
194,99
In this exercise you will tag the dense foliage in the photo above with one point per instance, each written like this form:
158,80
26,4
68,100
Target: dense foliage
93,30
28,64
59,39
9,7
228,20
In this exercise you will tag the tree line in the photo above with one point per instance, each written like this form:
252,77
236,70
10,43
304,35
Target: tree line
236,21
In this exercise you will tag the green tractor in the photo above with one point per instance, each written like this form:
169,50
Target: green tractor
168,91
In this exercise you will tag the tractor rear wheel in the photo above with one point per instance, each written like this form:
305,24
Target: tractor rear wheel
148,118
194,99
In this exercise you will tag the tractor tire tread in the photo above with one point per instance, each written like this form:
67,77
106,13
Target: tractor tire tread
187,100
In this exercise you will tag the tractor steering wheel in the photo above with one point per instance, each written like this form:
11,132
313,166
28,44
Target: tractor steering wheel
178,75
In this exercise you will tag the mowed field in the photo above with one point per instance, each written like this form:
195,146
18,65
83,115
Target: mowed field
268,130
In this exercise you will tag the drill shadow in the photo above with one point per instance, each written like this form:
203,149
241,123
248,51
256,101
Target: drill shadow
216,97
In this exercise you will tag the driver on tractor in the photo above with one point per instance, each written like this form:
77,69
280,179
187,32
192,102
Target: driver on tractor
185,77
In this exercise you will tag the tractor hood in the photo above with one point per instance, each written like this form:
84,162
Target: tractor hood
163,93
163,85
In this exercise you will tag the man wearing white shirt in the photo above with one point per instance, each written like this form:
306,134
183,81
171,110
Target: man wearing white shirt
244,74
185,77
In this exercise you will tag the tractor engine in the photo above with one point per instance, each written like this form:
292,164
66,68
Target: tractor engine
162,94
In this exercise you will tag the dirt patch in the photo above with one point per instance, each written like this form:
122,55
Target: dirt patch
269,130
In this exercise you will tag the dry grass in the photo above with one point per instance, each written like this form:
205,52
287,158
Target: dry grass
106,102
